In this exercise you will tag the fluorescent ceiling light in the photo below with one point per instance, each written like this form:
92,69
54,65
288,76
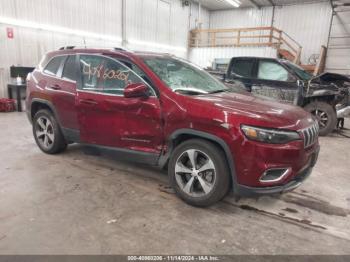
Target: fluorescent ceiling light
235,3
57,29
156,45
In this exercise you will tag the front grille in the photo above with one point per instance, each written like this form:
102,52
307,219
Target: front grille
310,134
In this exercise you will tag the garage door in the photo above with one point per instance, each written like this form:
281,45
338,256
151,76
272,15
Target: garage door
338,55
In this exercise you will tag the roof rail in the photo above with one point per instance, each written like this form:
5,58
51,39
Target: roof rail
119,49
67,47
73,47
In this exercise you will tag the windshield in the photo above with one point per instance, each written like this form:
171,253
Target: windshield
299,71
184,77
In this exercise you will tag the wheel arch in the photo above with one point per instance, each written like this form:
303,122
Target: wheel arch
182,135
329,99
38,104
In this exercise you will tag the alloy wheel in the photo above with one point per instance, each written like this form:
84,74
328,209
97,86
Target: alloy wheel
321,116
44,132
195,173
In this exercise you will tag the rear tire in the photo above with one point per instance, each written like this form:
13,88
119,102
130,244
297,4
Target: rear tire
206,182
47,133
325,115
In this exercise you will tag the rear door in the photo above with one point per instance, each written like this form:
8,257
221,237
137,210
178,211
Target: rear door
241,70
54,87
274,81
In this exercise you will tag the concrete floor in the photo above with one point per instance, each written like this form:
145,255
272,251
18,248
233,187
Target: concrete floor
74,203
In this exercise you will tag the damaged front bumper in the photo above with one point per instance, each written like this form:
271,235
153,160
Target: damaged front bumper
303,174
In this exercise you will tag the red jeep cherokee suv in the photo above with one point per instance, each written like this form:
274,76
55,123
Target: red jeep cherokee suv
164,111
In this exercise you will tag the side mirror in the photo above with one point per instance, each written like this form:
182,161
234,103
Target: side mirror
136,90
300,83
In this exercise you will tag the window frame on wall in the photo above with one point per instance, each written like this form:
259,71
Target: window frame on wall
115,60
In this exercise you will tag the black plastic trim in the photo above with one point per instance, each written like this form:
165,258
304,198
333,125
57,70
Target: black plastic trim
71,135
256,191
123,154
47,103
186,131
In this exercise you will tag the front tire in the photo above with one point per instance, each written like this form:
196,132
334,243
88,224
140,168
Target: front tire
47,133
325,115
198,172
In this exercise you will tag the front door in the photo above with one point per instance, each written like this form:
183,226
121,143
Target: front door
106,117
241,70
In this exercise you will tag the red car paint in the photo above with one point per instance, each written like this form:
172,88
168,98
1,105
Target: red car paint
146,124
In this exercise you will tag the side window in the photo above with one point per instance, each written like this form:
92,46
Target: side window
242,67
137,70
269,70
53,66
69,69
91,70
105,75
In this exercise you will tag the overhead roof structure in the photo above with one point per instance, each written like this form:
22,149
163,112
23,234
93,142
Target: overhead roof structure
213,5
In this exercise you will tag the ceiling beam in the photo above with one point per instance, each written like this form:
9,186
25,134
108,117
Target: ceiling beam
271,2
255,4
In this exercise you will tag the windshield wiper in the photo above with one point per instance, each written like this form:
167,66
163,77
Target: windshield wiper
190,90
219,91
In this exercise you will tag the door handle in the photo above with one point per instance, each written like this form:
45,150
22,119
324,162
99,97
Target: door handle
89,102
55,87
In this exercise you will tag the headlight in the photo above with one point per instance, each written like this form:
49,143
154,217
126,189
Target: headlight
271,136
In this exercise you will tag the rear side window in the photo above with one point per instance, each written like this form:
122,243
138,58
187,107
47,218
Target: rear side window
69,69
54,64
242,67
269,70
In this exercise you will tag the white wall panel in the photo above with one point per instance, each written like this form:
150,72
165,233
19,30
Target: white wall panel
28,45
246,17
149,22
308,24
202,16
338,55
234,18
162,22
204,57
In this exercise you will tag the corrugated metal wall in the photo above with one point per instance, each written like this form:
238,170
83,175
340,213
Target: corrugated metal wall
204,57
194,16
308,24
158,21
247,17
164,22
338,55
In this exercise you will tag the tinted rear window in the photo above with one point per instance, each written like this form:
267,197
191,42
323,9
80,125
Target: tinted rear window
242,67
53,66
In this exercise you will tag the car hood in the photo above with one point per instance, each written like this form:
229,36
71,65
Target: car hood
259,111
330,78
